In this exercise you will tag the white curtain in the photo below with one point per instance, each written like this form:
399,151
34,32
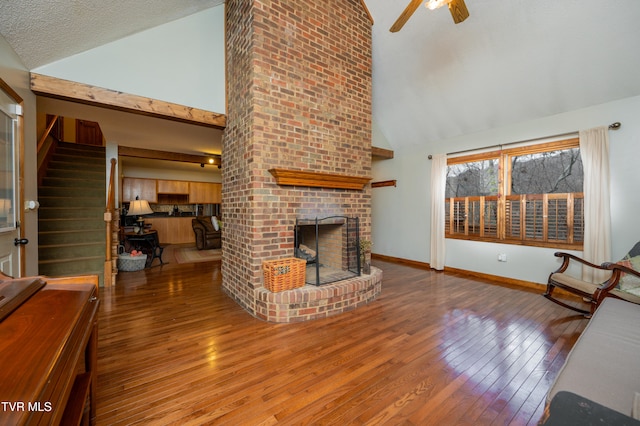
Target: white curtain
594,150
438,185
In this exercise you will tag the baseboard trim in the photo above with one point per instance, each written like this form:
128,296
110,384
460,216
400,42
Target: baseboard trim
480,275
422,265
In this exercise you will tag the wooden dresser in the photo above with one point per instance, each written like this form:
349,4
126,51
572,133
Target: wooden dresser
48,350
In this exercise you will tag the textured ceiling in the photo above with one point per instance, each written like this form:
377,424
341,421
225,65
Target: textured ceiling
510,61
44,31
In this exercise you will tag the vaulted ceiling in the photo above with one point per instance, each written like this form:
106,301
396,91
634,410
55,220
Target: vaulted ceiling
510,61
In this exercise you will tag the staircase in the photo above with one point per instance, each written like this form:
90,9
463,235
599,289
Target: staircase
71,227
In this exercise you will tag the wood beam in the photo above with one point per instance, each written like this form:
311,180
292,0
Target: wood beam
126,151
97,96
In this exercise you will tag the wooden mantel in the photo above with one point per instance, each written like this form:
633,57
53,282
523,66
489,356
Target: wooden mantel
97,96
318,179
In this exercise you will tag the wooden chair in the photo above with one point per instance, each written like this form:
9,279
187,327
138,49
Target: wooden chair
591,293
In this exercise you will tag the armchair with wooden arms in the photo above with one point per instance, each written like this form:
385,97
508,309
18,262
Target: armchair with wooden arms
624,282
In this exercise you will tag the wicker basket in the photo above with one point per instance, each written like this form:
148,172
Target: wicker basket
284,274
129,263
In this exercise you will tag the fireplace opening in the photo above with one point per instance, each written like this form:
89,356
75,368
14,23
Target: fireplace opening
330,245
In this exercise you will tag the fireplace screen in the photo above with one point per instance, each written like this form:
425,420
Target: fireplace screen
330,247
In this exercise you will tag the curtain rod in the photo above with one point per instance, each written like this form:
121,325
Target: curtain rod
612,126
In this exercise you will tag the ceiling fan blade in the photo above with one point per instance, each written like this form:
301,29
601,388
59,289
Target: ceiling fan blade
458,10
405,15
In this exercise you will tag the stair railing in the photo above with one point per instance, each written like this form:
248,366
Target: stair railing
108,218
47,132
44,157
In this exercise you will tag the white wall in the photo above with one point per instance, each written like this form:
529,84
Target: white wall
180,62
400,222
15,74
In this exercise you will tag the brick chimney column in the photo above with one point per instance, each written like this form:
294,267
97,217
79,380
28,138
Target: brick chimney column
299,98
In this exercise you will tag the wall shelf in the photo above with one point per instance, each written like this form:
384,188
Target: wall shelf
381,153
383,183
317,179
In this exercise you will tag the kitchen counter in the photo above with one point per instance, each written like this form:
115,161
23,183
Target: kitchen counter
165,214
173,229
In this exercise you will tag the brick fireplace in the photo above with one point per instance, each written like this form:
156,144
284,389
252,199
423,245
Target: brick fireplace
297,145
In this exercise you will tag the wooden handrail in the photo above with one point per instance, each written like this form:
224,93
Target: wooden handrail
109,210
110,198
46,133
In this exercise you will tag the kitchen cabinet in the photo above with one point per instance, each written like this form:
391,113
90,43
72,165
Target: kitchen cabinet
171,191
173,186
145,189
205,193
217,193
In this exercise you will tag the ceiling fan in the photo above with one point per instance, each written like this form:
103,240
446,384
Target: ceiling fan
457,8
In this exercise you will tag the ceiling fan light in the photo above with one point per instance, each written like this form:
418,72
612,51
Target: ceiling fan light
434,4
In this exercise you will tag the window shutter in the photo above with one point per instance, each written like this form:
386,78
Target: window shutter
474,216
490,217
534,218
513,227
558,218
578,219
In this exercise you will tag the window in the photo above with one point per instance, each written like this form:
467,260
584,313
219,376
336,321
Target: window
527,195
8,161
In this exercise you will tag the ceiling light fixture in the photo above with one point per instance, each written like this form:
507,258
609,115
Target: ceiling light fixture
434,4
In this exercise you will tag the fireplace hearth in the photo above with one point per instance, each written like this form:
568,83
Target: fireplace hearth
330,245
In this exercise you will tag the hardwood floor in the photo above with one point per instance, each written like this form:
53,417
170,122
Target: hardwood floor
433,349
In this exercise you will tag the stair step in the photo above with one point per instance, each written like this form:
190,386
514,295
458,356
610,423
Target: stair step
87,202
77,174
93,265
85,224
67,237
80,150
72,181
81,147
74,192
78,160
71,251
69,212
73,166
